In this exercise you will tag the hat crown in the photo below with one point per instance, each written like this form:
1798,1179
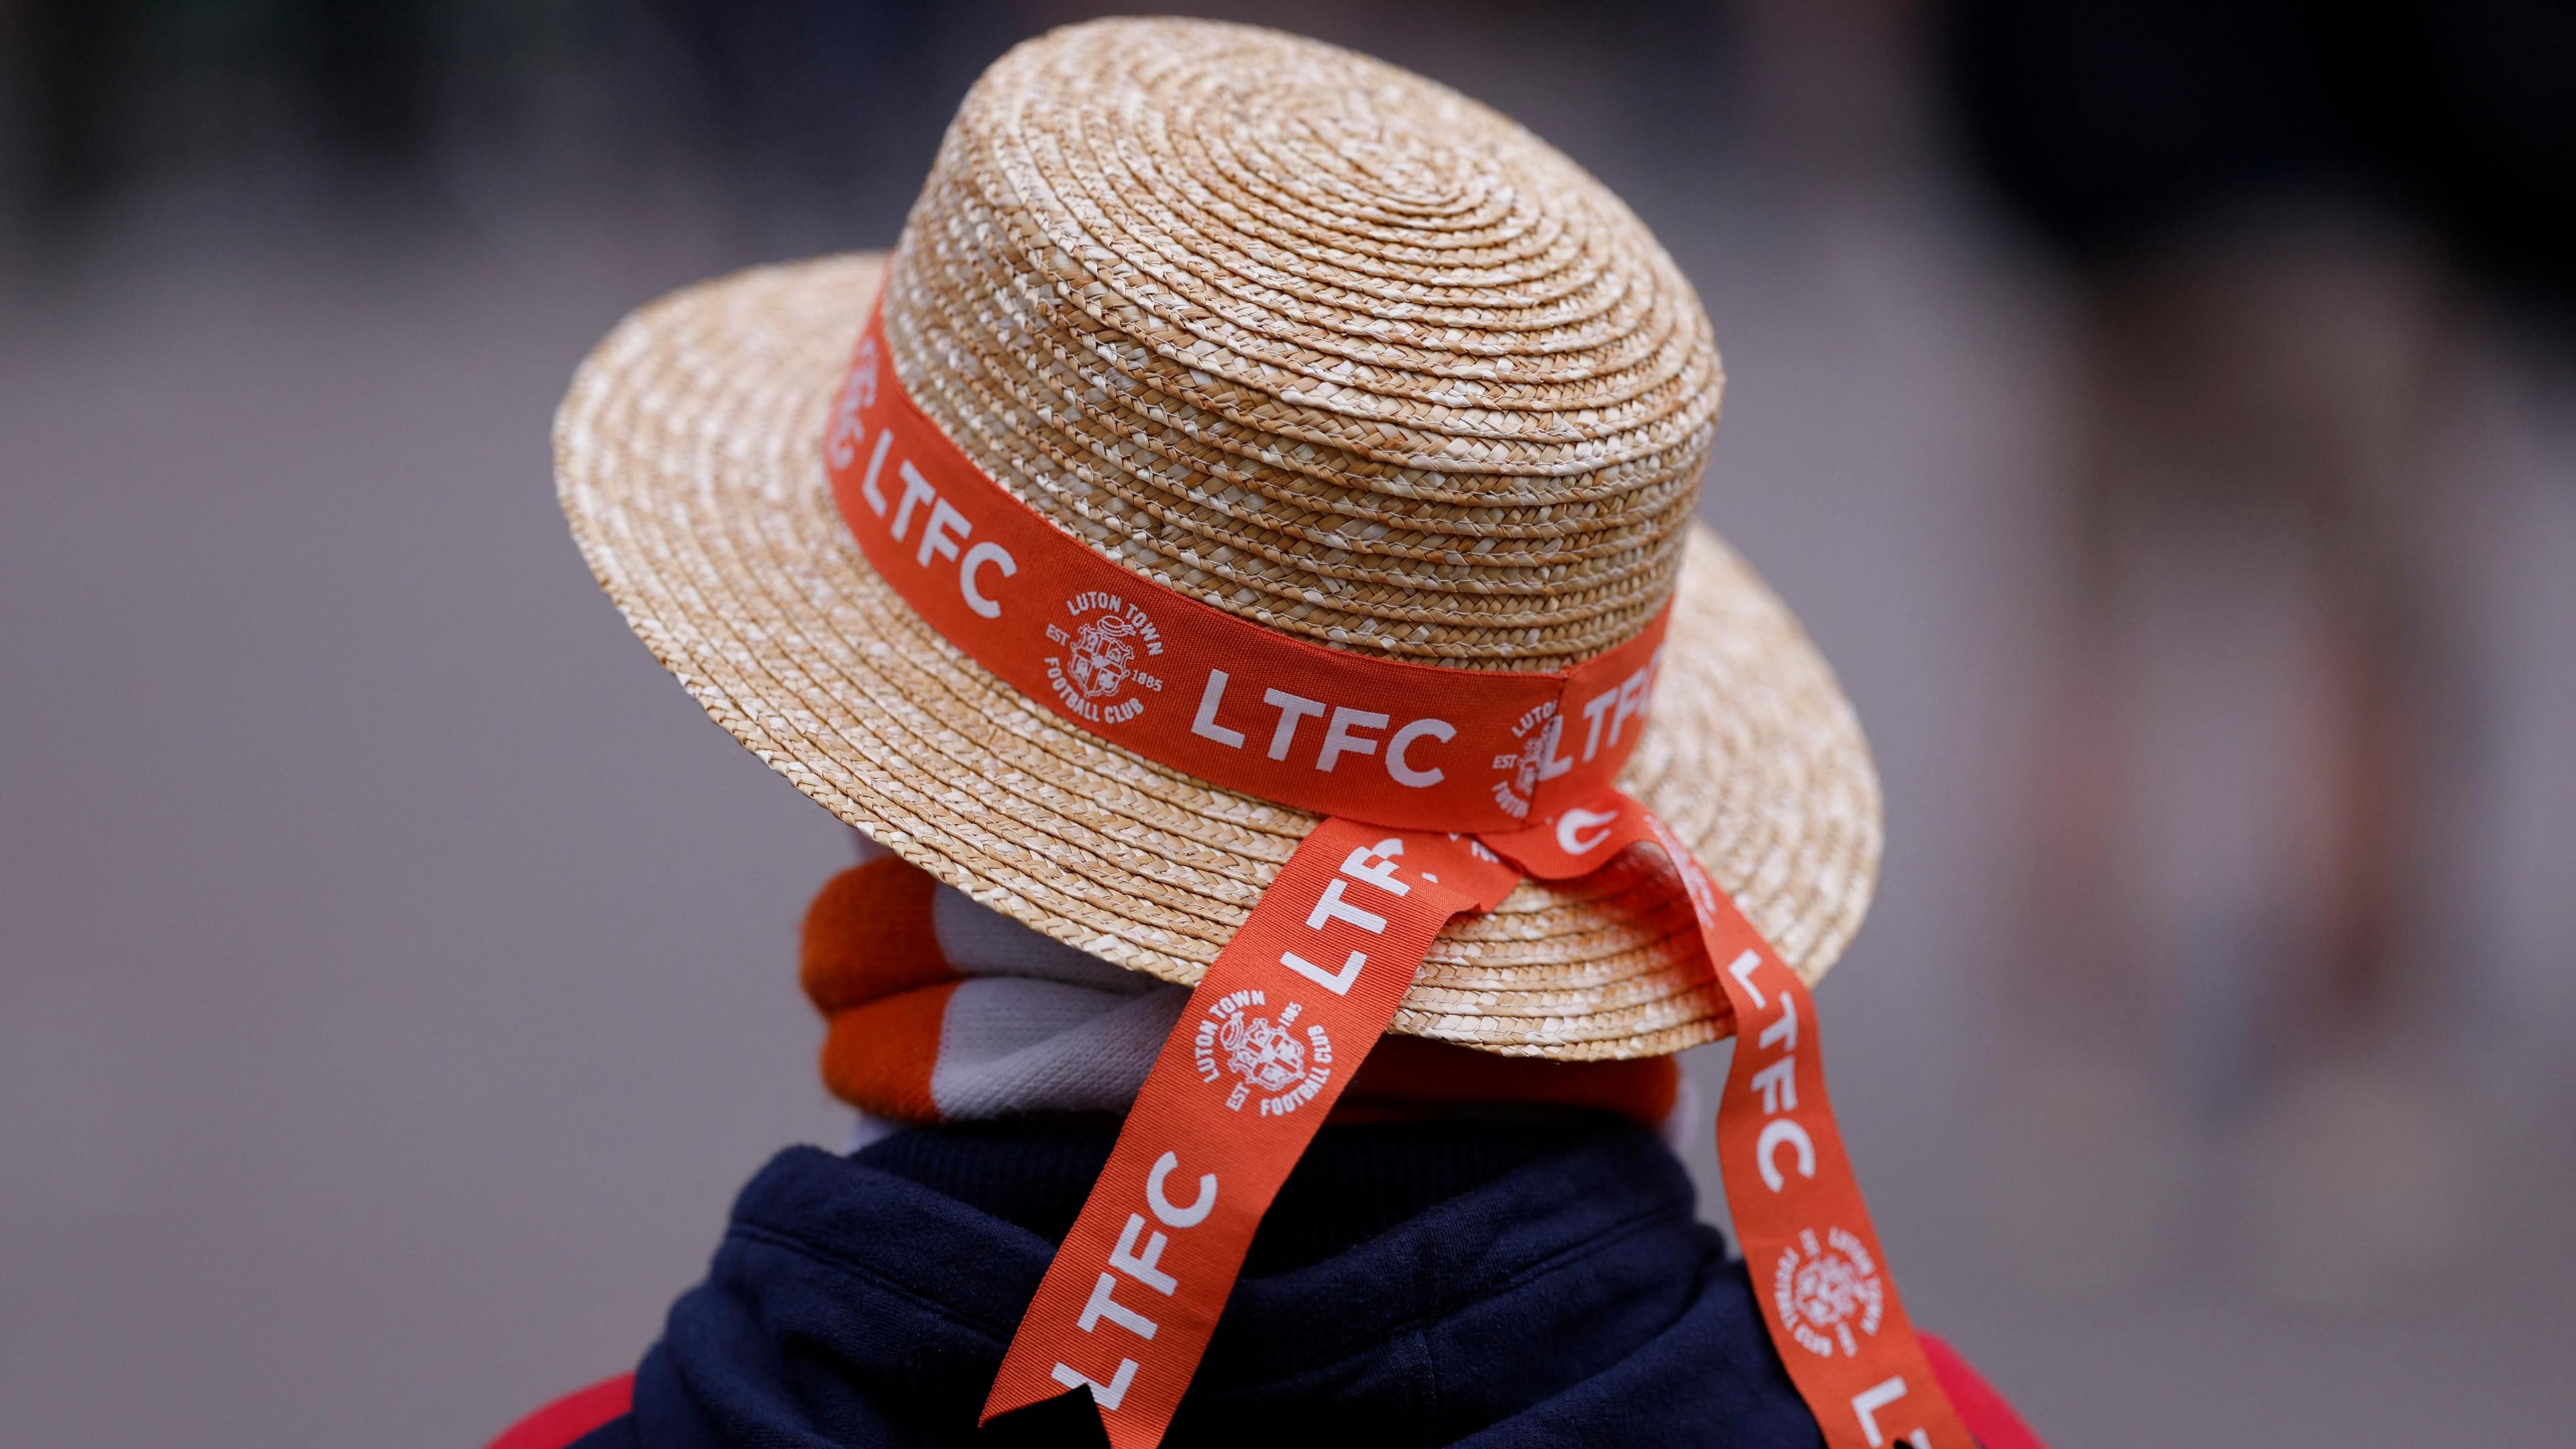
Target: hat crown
1309,338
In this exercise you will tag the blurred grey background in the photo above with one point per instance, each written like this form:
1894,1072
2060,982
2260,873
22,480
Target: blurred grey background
2164,415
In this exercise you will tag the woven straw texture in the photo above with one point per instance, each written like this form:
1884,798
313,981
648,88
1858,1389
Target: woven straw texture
1311,339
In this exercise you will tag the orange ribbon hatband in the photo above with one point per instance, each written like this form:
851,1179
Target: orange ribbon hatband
1443,788
1233,702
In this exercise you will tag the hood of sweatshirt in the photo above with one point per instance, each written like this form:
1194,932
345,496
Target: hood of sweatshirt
1499,1283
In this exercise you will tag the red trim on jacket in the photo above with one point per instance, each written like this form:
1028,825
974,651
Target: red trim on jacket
567,1419
1980,1408
559,1424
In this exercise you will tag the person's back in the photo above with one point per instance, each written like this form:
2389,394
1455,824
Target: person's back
1416,1284
1480,1251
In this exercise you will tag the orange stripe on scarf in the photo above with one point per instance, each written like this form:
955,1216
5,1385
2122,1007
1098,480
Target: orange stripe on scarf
873,965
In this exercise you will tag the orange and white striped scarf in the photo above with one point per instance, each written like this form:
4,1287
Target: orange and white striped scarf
941,1010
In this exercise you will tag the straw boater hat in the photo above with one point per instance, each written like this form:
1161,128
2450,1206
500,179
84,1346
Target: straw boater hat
1310,339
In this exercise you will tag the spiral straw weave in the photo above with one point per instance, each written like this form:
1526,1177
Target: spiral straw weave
1314,340
1311,338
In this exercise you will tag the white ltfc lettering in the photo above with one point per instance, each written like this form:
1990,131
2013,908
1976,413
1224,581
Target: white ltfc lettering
868,481
1766,1149
1402,771
1292,708
984,555
1742,969
1339,741
1867,1403
1205,726
1104,1304
1593,710
848,431
1336,982
1172,1216
916,490
1376,865
941,535
1331,907
1778,1084
1783,1030
1632,704
1108,1398
1144,1267
1345,731
1572,825
1618,706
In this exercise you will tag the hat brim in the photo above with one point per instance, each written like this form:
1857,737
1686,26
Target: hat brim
688,457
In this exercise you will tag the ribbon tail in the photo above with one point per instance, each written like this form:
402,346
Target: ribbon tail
1271,1037
1826,1297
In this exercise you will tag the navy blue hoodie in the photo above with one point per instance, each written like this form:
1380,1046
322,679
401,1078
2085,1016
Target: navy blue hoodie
1484,1284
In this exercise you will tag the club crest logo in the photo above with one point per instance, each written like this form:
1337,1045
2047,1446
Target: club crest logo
1104,641
1268,1058
1536,731
1828,1292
